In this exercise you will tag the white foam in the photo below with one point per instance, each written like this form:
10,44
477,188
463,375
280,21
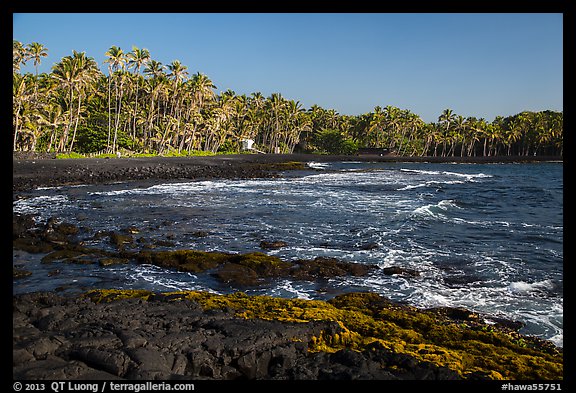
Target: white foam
40,204
468,176
289,287
432,210
526,287
317,165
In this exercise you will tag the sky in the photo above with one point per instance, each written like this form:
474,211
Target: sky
481,65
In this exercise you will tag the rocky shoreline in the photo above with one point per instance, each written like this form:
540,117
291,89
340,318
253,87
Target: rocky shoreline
140,335
73,338
137,334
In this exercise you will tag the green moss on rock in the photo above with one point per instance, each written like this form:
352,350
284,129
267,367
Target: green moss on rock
251,268
184,260
322,267
264,265
109,295
18,273
61,255
112,261
363,319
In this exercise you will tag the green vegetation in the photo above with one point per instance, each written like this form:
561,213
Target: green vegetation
466,346
143,106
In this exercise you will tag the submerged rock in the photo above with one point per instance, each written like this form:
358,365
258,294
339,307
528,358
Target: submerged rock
322,267
183,260
275,245
18,273
402,271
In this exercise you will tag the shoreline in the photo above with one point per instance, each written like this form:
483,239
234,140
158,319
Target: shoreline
136,334
30,173
194,335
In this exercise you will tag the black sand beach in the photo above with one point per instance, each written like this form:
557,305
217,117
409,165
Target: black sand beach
30,173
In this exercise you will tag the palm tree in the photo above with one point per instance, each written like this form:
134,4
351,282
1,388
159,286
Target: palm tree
137,59
20,98
392,121
19,55
459,134
178,75
446,119
36,52
156,79
53,116
177,71
116,61
88,72
202,88
74,74
65,73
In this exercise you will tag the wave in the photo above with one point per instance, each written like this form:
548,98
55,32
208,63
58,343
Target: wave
436,210
467,176
286,288
544,287
44,205
429,184
318,165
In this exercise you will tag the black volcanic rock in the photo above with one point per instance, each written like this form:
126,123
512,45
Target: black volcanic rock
58,337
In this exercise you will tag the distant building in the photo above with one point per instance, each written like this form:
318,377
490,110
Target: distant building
373,151
247,144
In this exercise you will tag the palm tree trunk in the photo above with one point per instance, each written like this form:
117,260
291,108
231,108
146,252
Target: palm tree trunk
16,127
77,119
119,101
64,139
109,109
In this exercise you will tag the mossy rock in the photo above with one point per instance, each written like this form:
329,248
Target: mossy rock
66,229
112,261
366,319
274,245
237,275
119,240
264,265
184,260
32,245
109,295
251,269
20,273
401,271
61,255
322,267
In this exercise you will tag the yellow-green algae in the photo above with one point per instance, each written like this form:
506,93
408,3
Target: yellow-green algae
366,318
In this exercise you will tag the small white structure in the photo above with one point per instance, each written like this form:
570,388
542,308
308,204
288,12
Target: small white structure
247,144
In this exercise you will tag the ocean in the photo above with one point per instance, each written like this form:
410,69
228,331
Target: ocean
487,237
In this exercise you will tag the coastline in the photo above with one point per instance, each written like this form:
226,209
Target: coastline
139,335
191,335
31,173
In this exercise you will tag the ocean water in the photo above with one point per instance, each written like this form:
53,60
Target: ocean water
488,237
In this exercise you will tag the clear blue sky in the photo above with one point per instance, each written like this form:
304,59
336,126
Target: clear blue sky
480,65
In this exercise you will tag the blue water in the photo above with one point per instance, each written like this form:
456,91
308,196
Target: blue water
488,237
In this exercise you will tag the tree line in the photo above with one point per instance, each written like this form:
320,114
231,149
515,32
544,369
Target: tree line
145,106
